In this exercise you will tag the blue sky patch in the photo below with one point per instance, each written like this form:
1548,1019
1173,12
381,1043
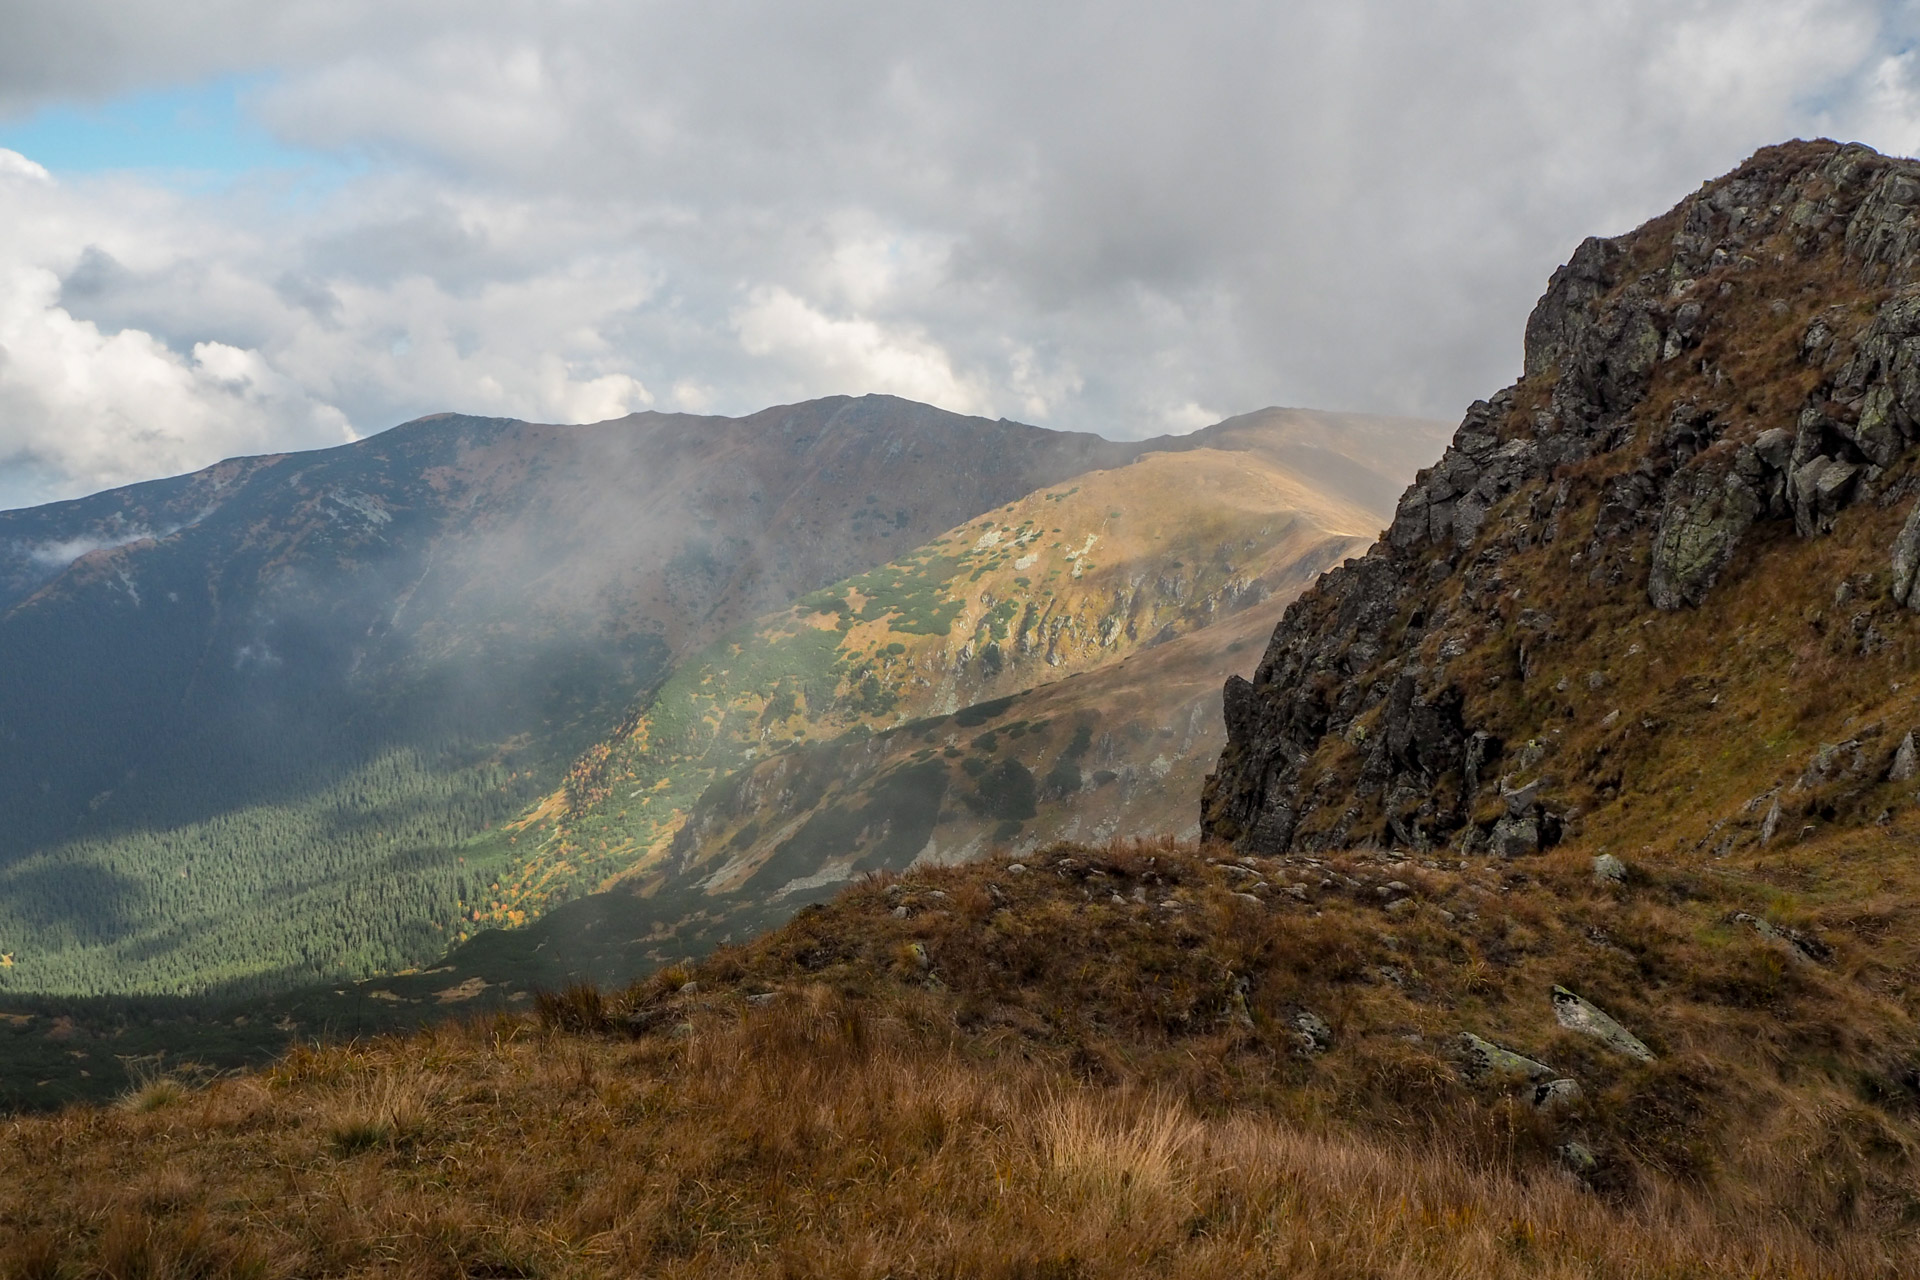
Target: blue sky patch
191,135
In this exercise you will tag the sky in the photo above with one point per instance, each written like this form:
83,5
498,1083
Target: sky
231,228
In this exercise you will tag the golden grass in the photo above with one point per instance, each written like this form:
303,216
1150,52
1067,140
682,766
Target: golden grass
1068,1089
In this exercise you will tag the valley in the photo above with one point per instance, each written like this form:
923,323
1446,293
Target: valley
278,705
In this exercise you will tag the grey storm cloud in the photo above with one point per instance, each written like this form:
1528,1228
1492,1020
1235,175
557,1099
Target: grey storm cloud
1127,218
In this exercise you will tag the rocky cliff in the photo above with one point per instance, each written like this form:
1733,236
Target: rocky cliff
1653,585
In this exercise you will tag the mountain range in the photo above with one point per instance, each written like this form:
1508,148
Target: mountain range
307,717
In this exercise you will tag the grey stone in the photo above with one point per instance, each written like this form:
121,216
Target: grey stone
1311,1034
1246,896
1400,906
1608,869
1906,760
1797,944
1016,869
1522,799
1906,559
900,912
1299,891
1577,1157
1483,1056
1700,528
1832,760
1800,491
1770,825
1553,1095
1774,446
1576,1014
766,998
1834,486
1515,837
689,988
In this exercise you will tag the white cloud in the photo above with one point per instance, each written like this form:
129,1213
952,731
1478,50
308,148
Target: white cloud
1115,216
855,353
15,165
120,407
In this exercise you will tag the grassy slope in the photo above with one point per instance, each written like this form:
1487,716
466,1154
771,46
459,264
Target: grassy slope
248,736
1063,582
973,1071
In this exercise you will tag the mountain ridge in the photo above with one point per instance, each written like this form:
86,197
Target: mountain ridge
1701,462
365,657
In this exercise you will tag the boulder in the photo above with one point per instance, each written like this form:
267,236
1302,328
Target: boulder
1700,528
1576,1014
1515,837
1906,559
1906,760
1311,1035
1522,799
1554,1095
1482,1057
1797,944
1608,869
1577,1157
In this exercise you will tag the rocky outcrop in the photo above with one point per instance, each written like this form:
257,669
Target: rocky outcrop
1649,445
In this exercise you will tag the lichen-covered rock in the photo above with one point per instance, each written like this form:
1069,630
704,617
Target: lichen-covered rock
1795,943
1481,1057
1699,530
1576,1014
1906,760
1556,1095
1906,560
1515,836
1311,1034
1608,869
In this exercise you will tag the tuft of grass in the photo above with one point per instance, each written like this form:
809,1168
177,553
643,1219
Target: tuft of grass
580,1009
154,1092
387,1111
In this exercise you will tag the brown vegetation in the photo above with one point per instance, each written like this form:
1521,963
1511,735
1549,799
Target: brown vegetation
978,1071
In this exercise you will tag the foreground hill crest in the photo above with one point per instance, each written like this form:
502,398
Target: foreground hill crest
1713,428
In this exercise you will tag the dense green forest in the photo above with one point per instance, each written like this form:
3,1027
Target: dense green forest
370,873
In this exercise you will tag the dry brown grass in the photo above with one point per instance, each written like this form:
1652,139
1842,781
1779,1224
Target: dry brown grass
1068,1087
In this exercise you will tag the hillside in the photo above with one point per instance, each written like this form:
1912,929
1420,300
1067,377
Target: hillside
1652,596
268,721
251,715
1057,585
1103,1061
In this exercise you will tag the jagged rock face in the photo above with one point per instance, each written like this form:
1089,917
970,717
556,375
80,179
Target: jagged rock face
1676,411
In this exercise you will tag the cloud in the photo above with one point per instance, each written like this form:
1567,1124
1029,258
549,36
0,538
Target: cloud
853,352
1111,216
